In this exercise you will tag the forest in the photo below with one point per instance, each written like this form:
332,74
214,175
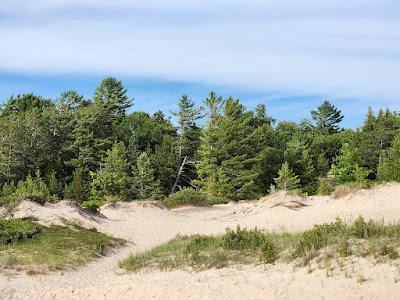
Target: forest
101,150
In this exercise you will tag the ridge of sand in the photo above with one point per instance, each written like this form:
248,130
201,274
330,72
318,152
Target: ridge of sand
146,224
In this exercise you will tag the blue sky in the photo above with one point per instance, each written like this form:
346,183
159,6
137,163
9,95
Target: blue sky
290,55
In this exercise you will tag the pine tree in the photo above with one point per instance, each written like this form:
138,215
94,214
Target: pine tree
370,121
389,169
112,94
327,117
133,150
298,156
210,146
146,186
112,179
227,150
347,167
188,140
287,180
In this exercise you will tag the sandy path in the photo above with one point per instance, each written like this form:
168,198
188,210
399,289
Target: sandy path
147,226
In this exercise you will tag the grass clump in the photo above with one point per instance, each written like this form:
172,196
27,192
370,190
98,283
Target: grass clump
40,248
243,246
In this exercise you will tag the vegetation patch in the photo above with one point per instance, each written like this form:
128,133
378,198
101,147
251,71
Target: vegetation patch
17,229
26,245
243,246
186,196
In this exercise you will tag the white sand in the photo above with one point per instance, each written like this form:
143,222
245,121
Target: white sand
146,225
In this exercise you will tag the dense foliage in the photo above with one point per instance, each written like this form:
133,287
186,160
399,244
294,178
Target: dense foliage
101,149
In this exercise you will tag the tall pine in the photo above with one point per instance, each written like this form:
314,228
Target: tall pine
188,141
145,184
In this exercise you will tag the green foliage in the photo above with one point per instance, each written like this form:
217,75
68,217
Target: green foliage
187,196
113,177
17,229
145,185
235,154
214,200
243,239
389,169
91,205
54,248
347,166
32,188
78,189
188,141
325,187
327,117
269,253
287,180
228,150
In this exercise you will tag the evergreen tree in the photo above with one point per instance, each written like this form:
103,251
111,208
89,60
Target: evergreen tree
146,186
210,146
112,179
112,94
297,155
287,180
370,121
80,186
228,156
389,169
347,167
188,141
327,117
133,150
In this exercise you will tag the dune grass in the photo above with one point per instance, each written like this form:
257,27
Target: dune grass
38,248
241,246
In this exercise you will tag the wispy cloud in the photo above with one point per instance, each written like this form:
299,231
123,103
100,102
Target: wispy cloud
342,49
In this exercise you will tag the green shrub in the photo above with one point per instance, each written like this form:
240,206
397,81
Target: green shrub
16,229
318,237
91,205
186,196
243,239
362,230
325,187
214,200
269,253
389,251
32,188
198,243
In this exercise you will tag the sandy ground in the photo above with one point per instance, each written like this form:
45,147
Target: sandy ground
146,225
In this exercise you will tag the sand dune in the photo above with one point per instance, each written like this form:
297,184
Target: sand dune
146,225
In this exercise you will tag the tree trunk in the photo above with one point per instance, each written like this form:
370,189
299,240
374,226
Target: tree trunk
178,176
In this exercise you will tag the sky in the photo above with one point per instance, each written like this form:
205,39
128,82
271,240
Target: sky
289,55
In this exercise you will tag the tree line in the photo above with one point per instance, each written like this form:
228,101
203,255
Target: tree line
99,150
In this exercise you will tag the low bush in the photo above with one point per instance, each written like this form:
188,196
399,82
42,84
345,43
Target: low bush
16,229
269,253
214,200
186,196
241,239
91,205
32,188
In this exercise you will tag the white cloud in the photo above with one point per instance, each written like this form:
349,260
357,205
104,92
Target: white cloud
336,48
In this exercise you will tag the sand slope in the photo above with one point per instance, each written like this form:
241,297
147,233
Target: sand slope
145,225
